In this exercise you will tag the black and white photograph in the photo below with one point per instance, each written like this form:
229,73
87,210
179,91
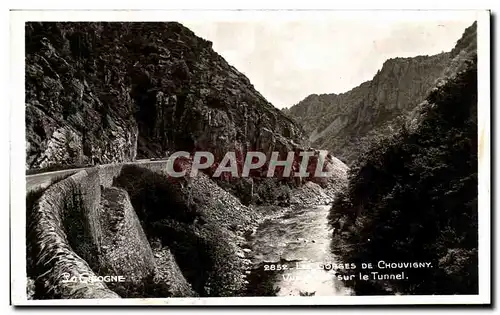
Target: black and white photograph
204,157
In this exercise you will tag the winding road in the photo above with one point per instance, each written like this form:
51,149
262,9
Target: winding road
43,180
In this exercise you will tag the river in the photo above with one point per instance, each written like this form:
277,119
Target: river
297,242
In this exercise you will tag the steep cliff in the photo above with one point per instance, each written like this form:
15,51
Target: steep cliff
109,92
346,123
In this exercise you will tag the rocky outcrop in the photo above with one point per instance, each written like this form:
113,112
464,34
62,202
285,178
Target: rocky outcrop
124,249
110,92
167,272
202,224
312,193
346,123
309,194
464,51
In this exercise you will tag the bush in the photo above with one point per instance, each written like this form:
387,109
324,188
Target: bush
413,197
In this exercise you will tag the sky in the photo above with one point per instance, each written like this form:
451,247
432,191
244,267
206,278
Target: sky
288,59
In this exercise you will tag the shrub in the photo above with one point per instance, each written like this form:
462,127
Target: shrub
413,197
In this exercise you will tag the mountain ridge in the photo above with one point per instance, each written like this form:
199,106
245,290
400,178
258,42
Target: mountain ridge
342,122
110,92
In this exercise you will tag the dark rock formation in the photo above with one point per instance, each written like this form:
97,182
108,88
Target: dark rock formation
124,249
198,221
169,274
346,123
107,92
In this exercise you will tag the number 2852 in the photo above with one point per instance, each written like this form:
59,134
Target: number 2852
275,267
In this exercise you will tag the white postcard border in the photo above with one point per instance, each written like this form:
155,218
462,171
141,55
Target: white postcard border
17,132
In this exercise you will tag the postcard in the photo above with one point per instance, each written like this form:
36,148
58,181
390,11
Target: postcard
250,157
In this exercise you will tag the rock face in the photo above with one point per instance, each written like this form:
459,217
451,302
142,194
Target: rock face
107,92
168,272
198,221
345,123
124,248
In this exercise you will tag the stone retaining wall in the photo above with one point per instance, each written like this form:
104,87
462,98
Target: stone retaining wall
55,260
72,203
